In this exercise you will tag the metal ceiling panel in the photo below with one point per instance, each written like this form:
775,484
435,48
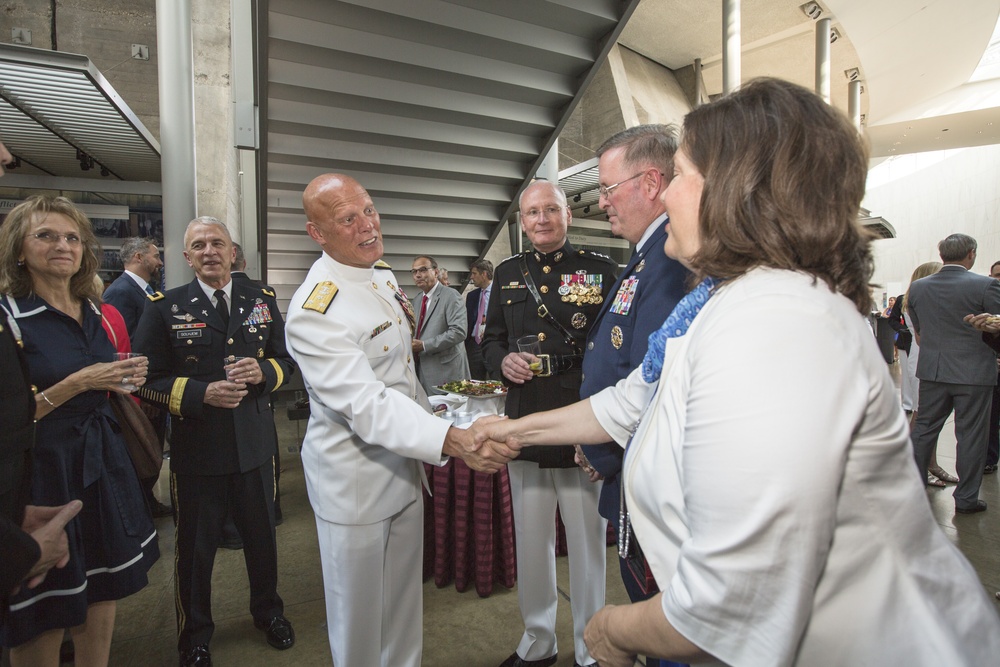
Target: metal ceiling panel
57,111
442,109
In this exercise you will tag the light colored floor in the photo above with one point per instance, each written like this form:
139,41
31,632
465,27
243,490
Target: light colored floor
460,629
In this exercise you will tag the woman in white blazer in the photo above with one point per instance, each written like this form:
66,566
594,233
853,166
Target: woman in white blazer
769,476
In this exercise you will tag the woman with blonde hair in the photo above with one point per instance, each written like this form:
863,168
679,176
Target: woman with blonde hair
47,267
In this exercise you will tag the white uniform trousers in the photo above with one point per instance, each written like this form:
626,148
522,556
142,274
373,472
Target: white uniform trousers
373,580
534,493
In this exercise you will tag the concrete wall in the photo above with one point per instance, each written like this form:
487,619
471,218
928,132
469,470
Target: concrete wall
628,90
926,197
215,154
104,31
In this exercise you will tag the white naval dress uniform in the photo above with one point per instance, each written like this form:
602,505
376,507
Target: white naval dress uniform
369,429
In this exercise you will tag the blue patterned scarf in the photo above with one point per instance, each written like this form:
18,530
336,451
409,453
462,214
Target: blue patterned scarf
676,326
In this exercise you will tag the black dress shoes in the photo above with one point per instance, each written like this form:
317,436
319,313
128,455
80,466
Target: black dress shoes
197,657
980,506
990,469
159,510
517,661
279,632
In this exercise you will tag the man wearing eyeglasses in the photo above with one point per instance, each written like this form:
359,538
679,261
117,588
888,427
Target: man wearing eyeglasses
554,292
635,166
438,342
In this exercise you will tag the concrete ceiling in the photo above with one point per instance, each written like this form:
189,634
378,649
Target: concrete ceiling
915,60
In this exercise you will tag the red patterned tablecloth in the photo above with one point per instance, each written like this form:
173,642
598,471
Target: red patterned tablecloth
469,529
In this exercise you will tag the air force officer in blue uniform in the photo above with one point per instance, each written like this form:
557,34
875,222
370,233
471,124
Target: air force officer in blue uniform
635,166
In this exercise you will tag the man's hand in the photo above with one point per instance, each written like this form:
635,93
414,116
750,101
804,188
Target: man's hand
515,367
418,346
581,460
984,322
244,371
225,394
47,526
486,456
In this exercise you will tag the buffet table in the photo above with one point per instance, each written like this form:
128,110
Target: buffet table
468,519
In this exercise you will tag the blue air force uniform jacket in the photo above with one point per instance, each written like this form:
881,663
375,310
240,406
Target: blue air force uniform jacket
573,285
645,294
186,343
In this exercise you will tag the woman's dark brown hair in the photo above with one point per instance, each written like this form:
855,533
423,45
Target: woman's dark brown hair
14,278
784,177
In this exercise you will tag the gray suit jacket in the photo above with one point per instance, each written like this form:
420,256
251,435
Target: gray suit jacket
951,350
443,335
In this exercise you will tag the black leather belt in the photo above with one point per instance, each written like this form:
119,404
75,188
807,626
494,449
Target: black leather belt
561,363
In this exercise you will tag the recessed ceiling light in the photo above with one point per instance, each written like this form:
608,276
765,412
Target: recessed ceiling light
945,129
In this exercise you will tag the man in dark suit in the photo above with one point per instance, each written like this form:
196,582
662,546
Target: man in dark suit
476,306
128,292
956,370
635,167
572,285
32,539
216,352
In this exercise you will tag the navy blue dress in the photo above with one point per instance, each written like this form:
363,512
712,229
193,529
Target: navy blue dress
79,453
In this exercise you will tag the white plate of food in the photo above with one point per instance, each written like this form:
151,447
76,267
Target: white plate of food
474,388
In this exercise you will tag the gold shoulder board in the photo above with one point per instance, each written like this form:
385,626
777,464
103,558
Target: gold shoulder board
156,296
382,265
321,296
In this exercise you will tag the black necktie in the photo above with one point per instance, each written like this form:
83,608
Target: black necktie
220,305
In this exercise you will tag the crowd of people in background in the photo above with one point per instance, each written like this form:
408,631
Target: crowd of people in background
765,508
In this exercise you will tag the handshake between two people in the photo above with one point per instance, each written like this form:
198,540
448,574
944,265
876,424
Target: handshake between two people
486,446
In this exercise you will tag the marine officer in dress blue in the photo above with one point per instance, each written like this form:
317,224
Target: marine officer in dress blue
553,291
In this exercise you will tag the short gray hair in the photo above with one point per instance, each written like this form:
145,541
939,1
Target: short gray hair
645,145
956,247
207,220
132,246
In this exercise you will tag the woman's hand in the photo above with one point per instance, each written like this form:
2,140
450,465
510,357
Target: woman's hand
127,375
599,643
118,376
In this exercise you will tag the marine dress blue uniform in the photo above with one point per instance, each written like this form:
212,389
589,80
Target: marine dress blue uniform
79,453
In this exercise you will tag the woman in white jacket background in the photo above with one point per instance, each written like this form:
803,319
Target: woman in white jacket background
769,477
